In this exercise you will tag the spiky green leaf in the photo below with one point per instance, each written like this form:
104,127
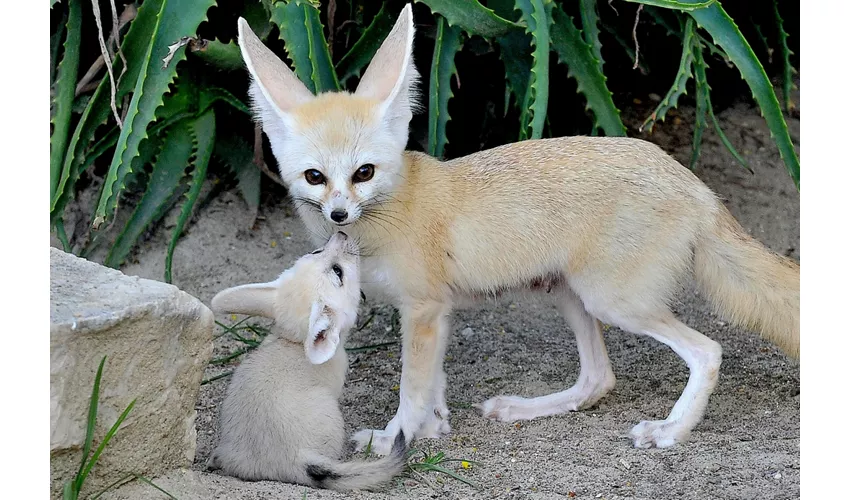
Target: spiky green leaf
305,43
225,56
202,131
578,57
64,94
174,21
590,29
703,102
684,73
537,15
672,4
726,34
134,46
168,169
787,70
472,17
447,45
238,156
353,62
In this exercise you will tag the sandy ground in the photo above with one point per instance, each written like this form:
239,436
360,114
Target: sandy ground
748,445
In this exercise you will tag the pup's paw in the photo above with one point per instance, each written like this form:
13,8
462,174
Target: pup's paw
503,408
658,433
436,425
382,441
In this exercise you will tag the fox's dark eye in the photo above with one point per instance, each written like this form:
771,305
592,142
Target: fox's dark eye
364,173
318,250
338,271
314,177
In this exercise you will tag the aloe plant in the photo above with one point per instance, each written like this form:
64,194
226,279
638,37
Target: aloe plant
182,98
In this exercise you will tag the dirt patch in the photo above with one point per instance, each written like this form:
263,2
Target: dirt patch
746,447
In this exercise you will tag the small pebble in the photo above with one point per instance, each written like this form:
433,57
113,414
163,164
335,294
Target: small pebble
467,332
778,475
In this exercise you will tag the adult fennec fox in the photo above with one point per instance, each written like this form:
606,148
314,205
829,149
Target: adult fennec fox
281,419
610,224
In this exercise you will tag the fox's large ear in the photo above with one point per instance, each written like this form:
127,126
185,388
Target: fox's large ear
391,76
275,88
254,300
323,335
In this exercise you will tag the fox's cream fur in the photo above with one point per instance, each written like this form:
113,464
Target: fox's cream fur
281,419
612,225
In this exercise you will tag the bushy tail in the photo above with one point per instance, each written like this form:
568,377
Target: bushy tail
359,474
748,284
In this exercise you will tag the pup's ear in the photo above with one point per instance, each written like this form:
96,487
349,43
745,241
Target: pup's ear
323,335
275,88
257,299
391,76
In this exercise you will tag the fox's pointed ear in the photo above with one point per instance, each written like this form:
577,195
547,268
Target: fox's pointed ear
275,88
323,335
391,76
257,299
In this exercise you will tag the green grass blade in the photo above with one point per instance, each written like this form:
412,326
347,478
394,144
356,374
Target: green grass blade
353,62
471,17
578,57
97,111
203,135
443,68
174,20
671,100
671,4
90,422
64,87
787,70
68,492
726,142
590,29
726,34
168,169
106,439
703,102
537,15
305,43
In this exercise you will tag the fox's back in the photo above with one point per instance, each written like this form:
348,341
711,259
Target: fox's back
605,199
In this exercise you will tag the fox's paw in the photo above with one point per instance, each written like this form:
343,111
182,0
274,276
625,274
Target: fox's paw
381,441
504,408
658,433
436,425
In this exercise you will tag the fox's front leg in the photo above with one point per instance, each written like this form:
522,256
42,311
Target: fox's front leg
424,328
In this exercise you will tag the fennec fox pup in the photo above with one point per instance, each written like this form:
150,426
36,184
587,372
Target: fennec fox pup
612,225
281,419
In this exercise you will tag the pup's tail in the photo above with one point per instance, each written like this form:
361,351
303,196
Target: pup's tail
748,284
359,474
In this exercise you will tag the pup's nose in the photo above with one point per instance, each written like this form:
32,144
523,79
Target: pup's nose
339,215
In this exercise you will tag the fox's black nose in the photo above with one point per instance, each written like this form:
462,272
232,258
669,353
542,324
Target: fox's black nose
339,215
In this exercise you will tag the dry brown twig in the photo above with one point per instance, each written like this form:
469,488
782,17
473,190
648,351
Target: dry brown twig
259,160
107,59
634,36
86,84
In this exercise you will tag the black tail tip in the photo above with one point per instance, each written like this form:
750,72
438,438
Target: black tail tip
399,444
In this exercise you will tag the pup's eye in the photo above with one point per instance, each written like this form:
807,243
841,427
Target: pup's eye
318,250
338,271
364,173
314,177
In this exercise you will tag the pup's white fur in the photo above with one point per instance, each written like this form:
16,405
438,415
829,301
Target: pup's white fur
610,224
281,418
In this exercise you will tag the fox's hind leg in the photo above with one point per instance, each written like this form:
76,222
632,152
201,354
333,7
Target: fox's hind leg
595,377
703,356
